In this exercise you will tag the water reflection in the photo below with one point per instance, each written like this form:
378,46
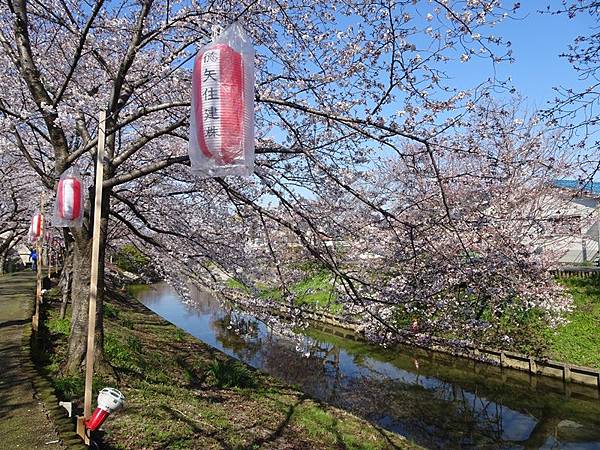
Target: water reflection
436,405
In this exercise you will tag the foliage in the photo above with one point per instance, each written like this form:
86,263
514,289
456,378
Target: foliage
110,311
317,290
523,330
59,326
69,387
130,259
124,353
229,374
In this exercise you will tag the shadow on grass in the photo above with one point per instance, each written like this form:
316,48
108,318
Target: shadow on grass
10,323
281,427
198,429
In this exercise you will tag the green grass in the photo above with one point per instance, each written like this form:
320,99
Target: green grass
110,311
327,428
59,326
316,289
578,342
236,284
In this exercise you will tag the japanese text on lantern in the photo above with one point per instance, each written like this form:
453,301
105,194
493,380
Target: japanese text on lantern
222,116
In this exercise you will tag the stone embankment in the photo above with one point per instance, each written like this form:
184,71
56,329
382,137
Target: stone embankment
350,329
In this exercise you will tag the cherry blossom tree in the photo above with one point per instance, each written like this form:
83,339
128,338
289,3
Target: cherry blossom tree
68,61
453,246
19,198
341,86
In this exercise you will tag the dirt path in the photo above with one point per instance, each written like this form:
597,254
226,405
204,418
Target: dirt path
23,422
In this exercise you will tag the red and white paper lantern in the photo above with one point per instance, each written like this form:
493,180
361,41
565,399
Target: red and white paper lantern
68,197
36,226
68,207
222,118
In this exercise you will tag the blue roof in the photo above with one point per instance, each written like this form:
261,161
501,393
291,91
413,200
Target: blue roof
578,185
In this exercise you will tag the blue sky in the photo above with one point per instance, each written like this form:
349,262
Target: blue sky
537,40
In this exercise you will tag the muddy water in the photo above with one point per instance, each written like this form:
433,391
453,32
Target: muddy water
438,403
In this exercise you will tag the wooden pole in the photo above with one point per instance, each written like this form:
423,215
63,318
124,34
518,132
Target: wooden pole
38,277
48,252
89,360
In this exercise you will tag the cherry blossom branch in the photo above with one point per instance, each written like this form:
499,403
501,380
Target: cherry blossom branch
78,51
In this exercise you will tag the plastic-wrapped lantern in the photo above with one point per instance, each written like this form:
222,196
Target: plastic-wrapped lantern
222,118
109,401
69,198
36,225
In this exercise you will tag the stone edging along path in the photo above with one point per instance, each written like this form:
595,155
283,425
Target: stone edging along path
40,388
65,425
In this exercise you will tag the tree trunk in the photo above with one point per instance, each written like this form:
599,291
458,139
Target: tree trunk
3,257
66,277
5,247
80,292
66,292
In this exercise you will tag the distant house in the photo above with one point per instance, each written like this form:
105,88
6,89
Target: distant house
571,223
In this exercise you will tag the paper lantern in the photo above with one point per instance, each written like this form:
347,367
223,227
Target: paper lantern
36,225
68,207
222,117
68,197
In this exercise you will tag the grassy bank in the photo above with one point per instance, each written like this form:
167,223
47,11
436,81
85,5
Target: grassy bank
181,394
578,342
315,289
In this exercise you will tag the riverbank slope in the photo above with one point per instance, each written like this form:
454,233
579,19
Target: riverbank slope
183,394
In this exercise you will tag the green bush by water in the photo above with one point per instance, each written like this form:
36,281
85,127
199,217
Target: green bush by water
230,374
130,259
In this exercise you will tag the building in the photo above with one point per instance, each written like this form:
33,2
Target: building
571,224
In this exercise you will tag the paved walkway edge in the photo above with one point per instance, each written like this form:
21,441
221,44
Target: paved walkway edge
44,391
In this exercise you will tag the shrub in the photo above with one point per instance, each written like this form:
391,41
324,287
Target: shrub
109,311
130,259
229,374
124,355
69,387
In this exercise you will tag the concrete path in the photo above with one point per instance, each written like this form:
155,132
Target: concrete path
23,421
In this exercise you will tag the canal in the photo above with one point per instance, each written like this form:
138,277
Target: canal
437,402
